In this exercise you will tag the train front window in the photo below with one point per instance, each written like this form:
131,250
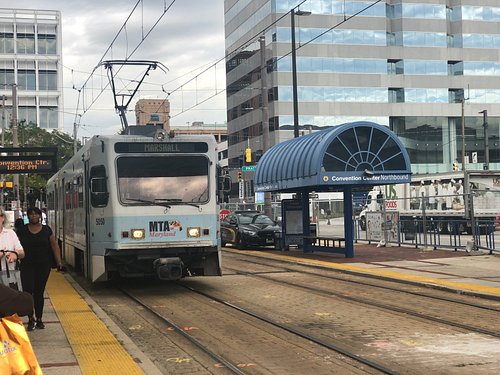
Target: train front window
165,178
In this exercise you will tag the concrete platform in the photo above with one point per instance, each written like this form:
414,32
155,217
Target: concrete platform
477,272
79,338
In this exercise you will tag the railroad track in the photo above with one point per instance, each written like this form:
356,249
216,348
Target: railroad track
253,318
481,315
195,333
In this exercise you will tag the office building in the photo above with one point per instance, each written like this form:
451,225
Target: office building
31,58
219,131
418,67
153,112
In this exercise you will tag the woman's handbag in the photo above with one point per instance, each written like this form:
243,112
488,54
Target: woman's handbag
16,354
11,278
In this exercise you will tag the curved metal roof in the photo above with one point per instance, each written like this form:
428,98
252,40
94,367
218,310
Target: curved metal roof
357,153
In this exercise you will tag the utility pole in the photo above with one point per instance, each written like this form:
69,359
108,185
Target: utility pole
75,131
15,143
3,145
265,116
486,164
463,133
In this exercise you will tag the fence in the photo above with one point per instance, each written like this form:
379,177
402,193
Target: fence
467,221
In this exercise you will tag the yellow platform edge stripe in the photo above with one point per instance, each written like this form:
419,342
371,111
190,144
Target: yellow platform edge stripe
378,272
95,347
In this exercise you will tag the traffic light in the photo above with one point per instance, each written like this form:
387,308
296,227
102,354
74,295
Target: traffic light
248,155
240,176
455,166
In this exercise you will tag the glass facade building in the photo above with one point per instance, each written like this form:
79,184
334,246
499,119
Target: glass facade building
30,56
418,67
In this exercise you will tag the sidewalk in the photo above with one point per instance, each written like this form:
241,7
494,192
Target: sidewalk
79,338
52,349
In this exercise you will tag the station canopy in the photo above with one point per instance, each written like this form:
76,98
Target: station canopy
356,154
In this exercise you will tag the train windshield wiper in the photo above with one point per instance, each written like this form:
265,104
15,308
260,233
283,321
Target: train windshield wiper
176,201
164,202
153,202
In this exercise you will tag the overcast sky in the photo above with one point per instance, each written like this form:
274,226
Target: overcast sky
187,39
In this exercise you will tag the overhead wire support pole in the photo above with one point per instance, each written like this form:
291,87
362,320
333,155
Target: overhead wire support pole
265,115
293,13
463,130
294,77
463,133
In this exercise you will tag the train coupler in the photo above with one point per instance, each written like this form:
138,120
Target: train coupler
168,268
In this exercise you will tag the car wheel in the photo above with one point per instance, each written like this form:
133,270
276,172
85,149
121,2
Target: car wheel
442,227
240,244
277,243
362,223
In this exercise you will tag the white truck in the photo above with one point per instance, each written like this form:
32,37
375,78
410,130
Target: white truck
445,199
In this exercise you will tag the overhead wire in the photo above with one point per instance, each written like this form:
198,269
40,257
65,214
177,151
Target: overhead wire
128,56
213,65
253,39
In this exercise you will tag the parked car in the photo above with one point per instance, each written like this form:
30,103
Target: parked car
250,228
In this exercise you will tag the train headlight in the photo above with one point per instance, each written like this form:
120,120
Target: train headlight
137,234
193,232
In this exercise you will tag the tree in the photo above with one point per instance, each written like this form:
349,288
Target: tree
30,135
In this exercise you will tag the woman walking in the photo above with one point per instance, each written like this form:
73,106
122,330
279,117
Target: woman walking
41,248
10,248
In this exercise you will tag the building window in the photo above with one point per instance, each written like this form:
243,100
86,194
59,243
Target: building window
395,67
26,44
47,80
48,117
26,79
6,42
27,114
455,68
396,95
422,137
47,45
427,67
6,77
455,95
155,117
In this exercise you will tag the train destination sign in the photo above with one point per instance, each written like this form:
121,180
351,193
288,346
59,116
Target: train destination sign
161,147
27,164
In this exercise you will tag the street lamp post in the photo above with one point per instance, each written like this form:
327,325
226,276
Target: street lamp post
294,70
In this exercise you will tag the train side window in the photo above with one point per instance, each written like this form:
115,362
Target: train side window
99,194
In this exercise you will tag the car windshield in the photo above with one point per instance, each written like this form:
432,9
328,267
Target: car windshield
255,219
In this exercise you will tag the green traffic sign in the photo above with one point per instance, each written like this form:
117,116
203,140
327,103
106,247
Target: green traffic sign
247,168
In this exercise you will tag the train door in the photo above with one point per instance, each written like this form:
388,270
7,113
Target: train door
86,204
61,200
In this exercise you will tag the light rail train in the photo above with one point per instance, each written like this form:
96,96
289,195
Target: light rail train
137,206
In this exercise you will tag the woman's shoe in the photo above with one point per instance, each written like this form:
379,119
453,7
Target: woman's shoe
39,324
31,325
